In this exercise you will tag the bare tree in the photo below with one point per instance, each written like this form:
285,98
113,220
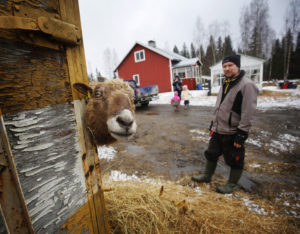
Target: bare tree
199,34
199,38
292,20
245,29
254,24
110,62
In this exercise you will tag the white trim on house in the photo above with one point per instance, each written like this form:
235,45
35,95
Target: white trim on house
171,75
136,77
139,56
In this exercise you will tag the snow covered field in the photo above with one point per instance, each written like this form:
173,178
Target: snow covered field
200,98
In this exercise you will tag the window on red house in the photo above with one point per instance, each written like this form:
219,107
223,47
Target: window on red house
136,77
139,56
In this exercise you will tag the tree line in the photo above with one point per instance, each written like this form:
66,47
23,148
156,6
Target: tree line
257,38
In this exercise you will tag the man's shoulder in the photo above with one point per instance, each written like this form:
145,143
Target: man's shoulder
247,83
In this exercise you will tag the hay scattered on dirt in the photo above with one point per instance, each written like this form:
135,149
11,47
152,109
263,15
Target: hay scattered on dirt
274,94
136,207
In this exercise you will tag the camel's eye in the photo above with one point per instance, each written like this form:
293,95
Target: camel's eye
98,93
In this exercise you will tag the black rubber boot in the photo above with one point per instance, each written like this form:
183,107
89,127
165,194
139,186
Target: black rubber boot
210,168
231,185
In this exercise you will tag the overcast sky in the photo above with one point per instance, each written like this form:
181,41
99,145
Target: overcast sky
118,24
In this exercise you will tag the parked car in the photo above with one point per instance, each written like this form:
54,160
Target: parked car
143,95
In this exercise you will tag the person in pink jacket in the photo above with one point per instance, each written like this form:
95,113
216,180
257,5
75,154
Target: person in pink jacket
175,101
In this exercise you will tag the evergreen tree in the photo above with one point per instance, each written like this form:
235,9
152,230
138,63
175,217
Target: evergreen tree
212,45
277,71
200,53
91,77
295,61
193,51
254,46
208,60
219,53
184,52
175,50
227,47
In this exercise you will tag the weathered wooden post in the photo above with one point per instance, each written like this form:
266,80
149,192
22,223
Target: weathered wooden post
50,178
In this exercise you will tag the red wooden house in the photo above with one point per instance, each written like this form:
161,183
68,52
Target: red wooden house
149,65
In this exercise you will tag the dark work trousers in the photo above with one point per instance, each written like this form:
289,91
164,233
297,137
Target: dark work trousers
223,144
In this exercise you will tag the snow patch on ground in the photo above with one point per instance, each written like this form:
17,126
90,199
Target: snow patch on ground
291,200
120,176
284,143
254,142
106,152
254,165
251,206
200,135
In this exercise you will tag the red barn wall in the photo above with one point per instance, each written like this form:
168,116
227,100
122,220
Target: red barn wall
154,70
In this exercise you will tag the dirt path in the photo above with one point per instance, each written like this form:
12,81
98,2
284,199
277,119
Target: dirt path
170,145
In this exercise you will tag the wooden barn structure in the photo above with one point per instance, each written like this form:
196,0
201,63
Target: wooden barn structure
50,178
149,65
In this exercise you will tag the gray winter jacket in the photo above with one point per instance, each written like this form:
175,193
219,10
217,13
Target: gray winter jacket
237,109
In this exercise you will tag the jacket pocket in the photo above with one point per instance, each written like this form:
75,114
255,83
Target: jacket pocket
234,119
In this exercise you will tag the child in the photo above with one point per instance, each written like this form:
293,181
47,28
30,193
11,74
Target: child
186,95
175,101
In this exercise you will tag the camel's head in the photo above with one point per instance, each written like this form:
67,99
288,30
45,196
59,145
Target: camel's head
110,110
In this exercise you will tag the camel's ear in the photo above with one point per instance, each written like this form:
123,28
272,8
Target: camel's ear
83,88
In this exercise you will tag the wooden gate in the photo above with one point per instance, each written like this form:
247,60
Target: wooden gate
50,178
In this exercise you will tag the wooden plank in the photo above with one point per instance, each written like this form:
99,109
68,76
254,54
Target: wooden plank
77,72
48,159
39,80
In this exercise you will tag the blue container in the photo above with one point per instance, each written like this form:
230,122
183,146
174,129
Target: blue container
199,86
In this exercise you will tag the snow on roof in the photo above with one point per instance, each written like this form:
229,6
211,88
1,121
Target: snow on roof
165,53
186,62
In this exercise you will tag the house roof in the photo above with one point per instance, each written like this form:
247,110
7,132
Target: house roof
187,62
168,54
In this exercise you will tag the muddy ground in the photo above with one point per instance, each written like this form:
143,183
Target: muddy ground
170,145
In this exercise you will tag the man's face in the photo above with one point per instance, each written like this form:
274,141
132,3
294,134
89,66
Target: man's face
230,69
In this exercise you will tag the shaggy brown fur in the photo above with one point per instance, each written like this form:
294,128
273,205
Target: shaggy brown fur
107,100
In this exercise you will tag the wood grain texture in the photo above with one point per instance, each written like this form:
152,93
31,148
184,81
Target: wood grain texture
31,77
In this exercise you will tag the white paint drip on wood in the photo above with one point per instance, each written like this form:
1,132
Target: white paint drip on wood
23,136
54,157
38,147
34,172
23,122
41,184
28,169
24,129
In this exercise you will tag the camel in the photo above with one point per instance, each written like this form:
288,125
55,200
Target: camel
110,113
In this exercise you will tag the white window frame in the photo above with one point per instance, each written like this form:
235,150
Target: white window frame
137,55
136,77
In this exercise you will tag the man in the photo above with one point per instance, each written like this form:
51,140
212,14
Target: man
234,111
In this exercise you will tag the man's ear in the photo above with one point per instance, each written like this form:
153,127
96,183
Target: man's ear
83,88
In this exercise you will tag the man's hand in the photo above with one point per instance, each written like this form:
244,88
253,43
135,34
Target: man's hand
236,145
240,138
